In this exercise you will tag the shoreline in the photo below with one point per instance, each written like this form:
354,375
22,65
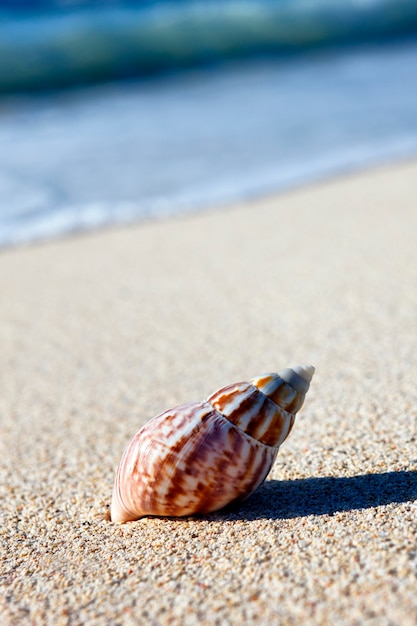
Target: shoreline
100,332
244,203
81,159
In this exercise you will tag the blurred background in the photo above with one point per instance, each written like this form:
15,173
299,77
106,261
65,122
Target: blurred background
115,111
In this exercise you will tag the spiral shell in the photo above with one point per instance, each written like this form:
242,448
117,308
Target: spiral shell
200,457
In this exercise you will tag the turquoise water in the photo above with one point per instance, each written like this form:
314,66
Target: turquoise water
50,43
258,99
119,153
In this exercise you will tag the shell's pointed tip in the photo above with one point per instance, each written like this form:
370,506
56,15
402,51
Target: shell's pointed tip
305,371
298,376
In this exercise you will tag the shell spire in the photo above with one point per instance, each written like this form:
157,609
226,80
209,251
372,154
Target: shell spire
200,457
299,376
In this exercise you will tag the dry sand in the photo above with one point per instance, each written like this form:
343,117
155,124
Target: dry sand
99,333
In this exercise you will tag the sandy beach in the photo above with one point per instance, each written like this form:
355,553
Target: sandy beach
100,332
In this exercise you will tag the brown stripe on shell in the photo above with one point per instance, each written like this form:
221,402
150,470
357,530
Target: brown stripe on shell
279,392
200,457
271,424
253,412
148,463
225,465
197,474
232,401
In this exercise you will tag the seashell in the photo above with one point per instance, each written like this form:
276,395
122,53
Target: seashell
200,457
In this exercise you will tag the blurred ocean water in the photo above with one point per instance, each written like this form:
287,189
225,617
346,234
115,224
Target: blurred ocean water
47,43
169,143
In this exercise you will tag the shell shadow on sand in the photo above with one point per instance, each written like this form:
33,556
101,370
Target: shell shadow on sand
325,496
